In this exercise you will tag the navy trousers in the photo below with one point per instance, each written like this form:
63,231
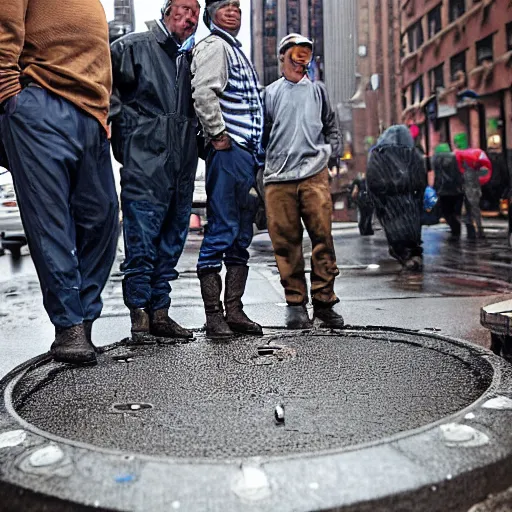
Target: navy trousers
60,161
230,209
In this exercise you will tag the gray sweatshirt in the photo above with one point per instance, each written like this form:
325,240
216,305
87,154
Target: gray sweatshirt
300,130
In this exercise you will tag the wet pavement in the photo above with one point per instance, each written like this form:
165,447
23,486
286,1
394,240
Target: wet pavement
458,280
311,395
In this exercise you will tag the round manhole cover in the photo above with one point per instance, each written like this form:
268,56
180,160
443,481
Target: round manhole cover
221,401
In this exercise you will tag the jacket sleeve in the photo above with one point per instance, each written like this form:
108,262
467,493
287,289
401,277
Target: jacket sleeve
330,129
209,79
12,39
122,116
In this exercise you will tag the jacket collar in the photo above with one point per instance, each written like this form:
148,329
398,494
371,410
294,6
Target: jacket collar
163,37
233,41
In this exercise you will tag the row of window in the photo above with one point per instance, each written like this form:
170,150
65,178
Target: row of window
484,52
456,8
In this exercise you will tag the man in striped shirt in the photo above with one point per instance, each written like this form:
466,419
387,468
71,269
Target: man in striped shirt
227,100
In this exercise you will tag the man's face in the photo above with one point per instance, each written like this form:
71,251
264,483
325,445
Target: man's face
294,63
182,18
229,17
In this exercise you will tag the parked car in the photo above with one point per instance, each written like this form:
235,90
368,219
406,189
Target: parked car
12,236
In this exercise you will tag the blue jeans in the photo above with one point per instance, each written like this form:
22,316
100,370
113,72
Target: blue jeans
157,186
60,161
230,209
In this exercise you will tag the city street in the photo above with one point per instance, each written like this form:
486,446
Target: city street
458,280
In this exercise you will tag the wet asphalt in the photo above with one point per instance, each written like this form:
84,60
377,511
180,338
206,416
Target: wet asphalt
459,278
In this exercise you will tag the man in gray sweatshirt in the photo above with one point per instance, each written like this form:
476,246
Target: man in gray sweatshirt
301,140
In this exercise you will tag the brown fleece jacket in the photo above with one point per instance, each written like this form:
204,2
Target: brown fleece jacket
61,45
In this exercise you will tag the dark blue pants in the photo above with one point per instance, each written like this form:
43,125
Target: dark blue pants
157,186
230,209
60,161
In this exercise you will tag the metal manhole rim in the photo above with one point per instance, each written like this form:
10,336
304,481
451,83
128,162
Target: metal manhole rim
9,382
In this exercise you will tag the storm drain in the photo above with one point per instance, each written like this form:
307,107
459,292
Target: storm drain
289,394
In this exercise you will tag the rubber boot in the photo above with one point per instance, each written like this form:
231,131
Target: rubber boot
328,317
471,231
162,326
88,334
297,317
71,346
238,321
211,287
140,328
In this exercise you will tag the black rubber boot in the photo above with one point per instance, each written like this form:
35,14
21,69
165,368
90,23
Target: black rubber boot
211,287
88,334
328,317
238,321
414,264
71,346
471,232
297,317
140,328
162,326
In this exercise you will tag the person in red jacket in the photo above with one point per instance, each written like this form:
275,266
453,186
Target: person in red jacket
476,168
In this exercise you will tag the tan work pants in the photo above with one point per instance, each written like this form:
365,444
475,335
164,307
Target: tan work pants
287,204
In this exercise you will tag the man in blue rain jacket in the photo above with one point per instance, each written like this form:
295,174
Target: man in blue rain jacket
154,133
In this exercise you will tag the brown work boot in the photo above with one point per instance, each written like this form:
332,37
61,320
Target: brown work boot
238,321
88,334
211,287
140,328
162,326
297,317
328,317
71,346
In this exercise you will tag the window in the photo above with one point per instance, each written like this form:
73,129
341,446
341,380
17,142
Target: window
316,29
418,92
415,36
457,63
271,70
434,21
436,78
509,36
293,15
456,9
484,50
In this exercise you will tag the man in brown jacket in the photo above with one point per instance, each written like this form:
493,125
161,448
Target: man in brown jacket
55,83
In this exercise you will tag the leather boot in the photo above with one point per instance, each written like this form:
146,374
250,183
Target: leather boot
140,328
71,346
162,326
297,317
88,334
329,318
238,321
211,287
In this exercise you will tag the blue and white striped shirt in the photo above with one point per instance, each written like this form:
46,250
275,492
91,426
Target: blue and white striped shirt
226,90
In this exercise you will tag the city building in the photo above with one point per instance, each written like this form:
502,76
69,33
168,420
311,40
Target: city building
124,19
376,103
456,77
272,20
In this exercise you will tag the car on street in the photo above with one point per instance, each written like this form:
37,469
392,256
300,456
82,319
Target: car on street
12,235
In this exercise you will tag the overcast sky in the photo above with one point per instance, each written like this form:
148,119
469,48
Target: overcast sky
150,9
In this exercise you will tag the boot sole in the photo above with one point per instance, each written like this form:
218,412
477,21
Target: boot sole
141,339
241,330
92,361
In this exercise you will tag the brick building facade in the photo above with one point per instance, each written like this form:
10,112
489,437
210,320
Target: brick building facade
456,77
